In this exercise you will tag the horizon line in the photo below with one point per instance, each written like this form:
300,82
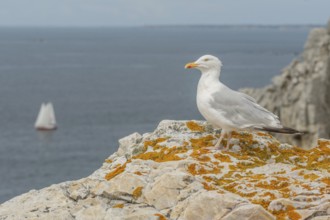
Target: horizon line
166,25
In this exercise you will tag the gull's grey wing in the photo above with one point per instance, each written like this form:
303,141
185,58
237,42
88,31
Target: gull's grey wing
242,110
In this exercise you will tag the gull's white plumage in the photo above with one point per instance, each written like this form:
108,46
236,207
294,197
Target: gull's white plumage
228,109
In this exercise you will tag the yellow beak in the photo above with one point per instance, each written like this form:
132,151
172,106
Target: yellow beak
190,65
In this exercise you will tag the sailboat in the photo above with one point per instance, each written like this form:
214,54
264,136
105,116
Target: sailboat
46,118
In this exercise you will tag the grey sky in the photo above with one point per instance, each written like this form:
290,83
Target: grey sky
150,12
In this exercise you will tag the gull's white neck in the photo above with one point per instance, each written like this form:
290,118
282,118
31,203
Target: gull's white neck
209,80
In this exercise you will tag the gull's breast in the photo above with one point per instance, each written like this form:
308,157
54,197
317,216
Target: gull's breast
213,116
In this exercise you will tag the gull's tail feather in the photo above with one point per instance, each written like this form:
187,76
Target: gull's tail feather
283,130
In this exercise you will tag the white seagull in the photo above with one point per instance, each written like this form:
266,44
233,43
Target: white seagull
228,109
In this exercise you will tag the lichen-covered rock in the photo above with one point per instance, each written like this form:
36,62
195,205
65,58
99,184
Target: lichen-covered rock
206,205
126,145
300,96
176,173
168,185
250,212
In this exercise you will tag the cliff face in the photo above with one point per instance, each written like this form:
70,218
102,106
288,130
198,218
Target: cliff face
176,173
300,96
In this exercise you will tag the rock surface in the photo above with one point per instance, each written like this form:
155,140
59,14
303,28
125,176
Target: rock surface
300,96
176,173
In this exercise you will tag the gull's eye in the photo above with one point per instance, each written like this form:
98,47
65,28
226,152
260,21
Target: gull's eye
206,59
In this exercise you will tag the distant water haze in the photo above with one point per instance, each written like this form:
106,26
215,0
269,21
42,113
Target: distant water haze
132,12
106,83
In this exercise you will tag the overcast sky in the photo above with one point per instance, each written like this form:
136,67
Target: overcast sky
153,12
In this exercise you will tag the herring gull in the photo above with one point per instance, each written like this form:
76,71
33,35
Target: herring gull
228,109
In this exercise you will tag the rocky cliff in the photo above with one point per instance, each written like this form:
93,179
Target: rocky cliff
176,173
300,96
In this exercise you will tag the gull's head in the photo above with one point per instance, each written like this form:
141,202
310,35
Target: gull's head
205,63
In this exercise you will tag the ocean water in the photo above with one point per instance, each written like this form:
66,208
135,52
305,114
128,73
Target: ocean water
106,83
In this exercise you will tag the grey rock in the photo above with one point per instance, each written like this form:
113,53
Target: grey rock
300,96
184,177
249,212
205,205
129,145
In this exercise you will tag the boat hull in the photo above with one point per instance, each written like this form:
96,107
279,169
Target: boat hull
45,129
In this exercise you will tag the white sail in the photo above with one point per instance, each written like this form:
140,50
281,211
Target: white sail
51,114
41,116
46,118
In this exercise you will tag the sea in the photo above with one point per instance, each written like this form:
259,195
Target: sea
108,82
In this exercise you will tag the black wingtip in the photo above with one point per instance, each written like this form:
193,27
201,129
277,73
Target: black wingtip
283,130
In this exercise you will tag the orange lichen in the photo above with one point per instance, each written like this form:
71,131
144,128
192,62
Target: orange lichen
306,186
204,158
117,165
318,157
192,169
152,143
207,178
269,194
324,145
231,187
198,169
120,206
161,217
232,167
222,157
137,192
246,194
292,214
138,173
117,171
263,134
281,178
272,184
257,177
264,203
311,176
249,164
238,156
108,161
286,192
197,153
301,173
216,163
295,168
193,126
315,159
289,212
246,139
326,181
164,155
226,179
206,141
208,186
